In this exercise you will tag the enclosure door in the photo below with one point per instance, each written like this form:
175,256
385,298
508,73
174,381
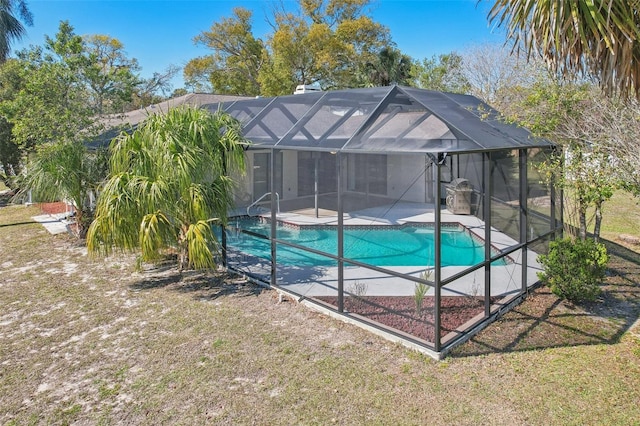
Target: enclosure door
316,166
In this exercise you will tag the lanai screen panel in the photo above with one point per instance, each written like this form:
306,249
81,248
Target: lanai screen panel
244,110
334,119
404,125
360,214
277,118
491,117
473,120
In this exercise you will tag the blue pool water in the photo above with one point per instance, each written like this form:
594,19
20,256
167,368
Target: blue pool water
405,246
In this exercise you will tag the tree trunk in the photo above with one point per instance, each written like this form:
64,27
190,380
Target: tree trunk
582,217
598,222
183,250
83,216
183,259
80,232
83,219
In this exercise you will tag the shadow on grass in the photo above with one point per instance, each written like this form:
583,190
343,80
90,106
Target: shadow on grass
204,285
544,321
4,225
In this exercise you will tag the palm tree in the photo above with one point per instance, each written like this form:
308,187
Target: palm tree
169,181
391,67
68,171
600,37
11,28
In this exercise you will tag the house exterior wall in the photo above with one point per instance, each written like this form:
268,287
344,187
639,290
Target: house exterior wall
289,175
407,178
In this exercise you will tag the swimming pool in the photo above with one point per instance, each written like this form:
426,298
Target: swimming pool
408,245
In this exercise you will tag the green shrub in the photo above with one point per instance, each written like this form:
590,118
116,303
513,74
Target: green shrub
573,269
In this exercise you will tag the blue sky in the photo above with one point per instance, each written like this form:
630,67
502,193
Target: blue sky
160,32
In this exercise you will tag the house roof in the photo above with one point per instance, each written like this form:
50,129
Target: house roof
133,118
116,123
382,119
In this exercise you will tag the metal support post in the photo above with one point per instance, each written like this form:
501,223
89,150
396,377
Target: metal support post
437,258
340,235
274,218
487,190
524,214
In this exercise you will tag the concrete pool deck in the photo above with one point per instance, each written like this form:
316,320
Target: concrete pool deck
314,281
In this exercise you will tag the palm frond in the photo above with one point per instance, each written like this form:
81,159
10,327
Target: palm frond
601,37
156,234
200,240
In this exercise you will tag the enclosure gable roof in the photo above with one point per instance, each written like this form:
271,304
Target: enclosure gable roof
389,119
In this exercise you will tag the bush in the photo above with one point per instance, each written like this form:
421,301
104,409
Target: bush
573,269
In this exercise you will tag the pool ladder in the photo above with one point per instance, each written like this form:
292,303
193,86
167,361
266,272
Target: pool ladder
261,198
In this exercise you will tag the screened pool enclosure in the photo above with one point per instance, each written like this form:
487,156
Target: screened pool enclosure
417,213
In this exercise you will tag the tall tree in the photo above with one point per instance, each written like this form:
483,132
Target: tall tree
443,73
169,182
50,103
52,94
585,167
11,29
294,47
153,89
618,119
490,69
597,37
391,66
11,74
197,73
109,75
342,40
9,155
325,42
237,57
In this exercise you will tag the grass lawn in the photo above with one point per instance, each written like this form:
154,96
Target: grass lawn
91,341
621,216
